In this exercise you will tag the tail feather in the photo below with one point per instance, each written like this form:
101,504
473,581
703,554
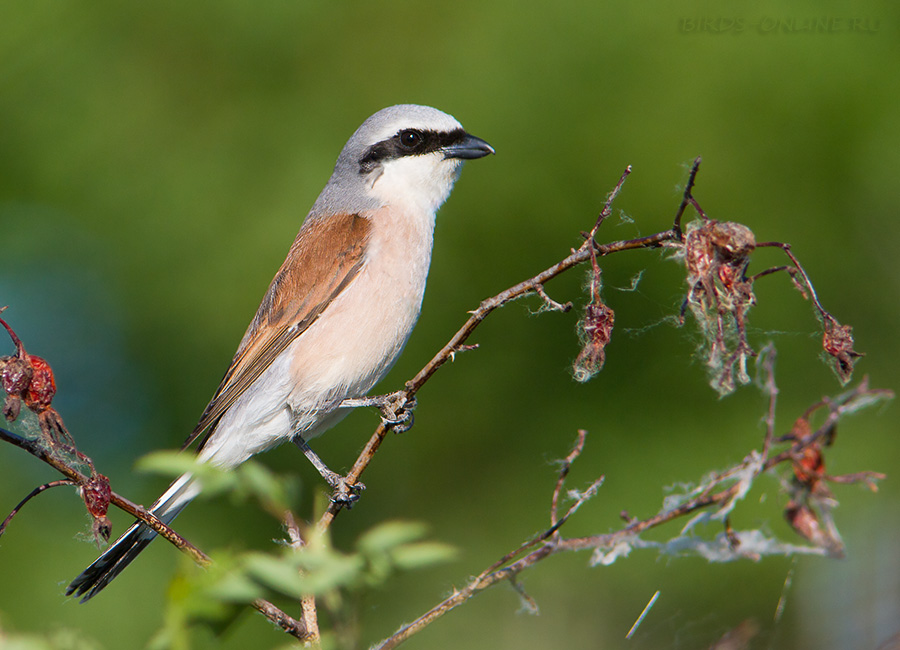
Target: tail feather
118,556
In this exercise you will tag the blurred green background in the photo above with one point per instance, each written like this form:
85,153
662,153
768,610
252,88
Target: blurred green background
157,159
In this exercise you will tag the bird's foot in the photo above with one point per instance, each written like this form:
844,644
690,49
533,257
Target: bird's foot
396,409
344,492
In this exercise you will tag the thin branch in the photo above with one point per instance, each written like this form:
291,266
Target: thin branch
36,491
482,582
550,303
802,272
292,626
687,198
767,364
564,468
607,207
309,613
494,574
117,500
270,611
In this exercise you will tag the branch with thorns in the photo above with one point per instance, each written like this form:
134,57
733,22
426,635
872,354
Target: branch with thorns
716,256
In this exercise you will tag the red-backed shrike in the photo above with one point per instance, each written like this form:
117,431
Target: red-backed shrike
338,312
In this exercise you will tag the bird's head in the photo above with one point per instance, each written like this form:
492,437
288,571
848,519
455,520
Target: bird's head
405,154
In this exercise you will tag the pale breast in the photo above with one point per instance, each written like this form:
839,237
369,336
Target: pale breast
361,333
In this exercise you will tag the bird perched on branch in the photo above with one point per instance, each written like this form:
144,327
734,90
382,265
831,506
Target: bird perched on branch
337,314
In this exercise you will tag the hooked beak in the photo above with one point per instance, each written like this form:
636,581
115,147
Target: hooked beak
468,148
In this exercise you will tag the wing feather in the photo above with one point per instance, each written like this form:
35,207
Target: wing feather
326,256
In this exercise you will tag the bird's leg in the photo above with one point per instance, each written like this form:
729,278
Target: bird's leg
396,408
343,492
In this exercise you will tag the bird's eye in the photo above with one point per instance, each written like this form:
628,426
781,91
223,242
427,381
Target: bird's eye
410,139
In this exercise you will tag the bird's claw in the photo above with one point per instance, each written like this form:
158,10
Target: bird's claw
344,493
396,409
397,412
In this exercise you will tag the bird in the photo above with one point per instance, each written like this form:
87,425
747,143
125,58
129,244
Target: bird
335,317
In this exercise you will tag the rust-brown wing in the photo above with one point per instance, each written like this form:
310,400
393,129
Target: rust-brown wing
326,256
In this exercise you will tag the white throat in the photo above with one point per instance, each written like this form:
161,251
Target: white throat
417,183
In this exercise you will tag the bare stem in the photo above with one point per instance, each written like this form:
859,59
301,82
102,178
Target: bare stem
687,197
36,491
802,272
270,611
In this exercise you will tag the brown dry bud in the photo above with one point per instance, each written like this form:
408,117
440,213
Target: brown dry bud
805,522
837,341
716,243
11,407
809,466
716,256
15,375
96,494
732,241
52,426
738,638
42,387
596,330
101,528
801,429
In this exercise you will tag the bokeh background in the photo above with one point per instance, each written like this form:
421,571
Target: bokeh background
157,159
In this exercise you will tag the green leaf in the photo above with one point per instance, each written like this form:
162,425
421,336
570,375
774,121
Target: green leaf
213,480
276,573
305,572
384,537
422,554
167,463
270,489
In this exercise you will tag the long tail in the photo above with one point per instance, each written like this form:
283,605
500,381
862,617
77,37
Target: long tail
118,556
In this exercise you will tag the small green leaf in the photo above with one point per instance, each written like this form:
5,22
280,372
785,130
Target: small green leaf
213,480
422,554
306,572
167,463
386,536
260,482
235,587
276,573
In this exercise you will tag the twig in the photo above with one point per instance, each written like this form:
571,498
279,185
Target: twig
36,491
607,207
494,573
687,198
292,626
309,615
767,363
120,502
482,582
550,303
564,468
270,611
802,272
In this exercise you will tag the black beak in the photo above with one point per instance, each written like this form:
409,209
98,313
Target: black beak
468,148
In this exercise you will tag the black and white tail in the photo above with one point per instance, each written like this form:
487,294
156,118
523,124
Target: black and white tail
118,556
